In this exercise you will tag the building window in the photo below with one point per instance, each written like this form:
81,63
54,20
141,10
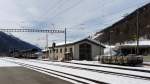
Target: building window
65,50
70,49
50,51
56,50
60,50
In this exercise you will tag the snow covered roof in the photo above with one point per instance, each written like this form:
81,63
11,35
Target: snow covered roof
144,42
44,50
85,39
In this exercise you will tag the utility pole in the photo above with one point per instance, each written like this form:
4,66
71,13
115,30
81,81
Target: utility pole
110,42
100,50
65,37
120,43
53,49
137,31
46,48
65,41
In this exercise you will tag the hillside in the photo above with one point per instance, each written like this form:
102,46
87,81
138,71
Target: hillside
8,43
126,29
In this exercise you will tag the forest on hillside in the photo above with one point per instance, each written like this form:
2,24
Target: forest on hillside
134,25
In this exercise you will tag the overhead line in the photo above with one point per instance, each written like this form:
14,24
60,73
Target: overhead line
67,9
57,5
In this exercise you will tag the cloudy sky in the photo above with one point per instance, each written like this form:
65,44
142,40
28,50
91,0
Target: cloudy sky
80,17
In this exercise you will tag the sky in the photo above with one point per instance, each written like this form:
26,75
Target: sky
81,17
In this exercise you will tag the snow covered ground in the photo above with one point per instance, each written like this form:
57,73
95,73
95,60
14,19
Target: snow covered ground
108,78
99,68
147,63
7,64
97,63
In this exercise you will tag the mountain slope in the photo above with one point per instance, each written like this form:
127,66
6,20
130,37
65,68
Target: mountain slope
8,42
126,29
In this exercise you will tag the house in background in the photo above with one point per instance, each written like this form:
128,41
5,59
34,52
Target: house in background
85,49
131,48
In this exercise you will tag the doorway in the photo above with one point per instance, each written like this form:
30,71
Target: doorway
85,52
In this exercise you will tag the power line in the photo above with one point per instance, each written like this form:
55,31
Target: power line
55,6
67,9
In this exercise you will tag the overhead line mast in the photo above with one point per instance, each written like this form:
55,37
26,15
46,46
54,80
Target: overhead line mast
32,30
38,31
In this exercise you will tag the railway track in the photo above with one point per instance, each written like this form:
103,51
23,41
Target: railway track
78,79
91,70
131,69
100,71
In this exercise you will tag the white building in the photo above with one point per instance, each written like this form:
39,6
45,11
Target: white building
85,49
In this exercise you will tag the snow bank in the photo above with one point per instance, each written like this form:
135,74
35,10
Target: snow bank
108,50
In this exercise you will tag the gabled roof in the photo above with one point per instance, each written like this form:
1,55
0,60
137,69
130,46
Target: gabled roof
85,39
